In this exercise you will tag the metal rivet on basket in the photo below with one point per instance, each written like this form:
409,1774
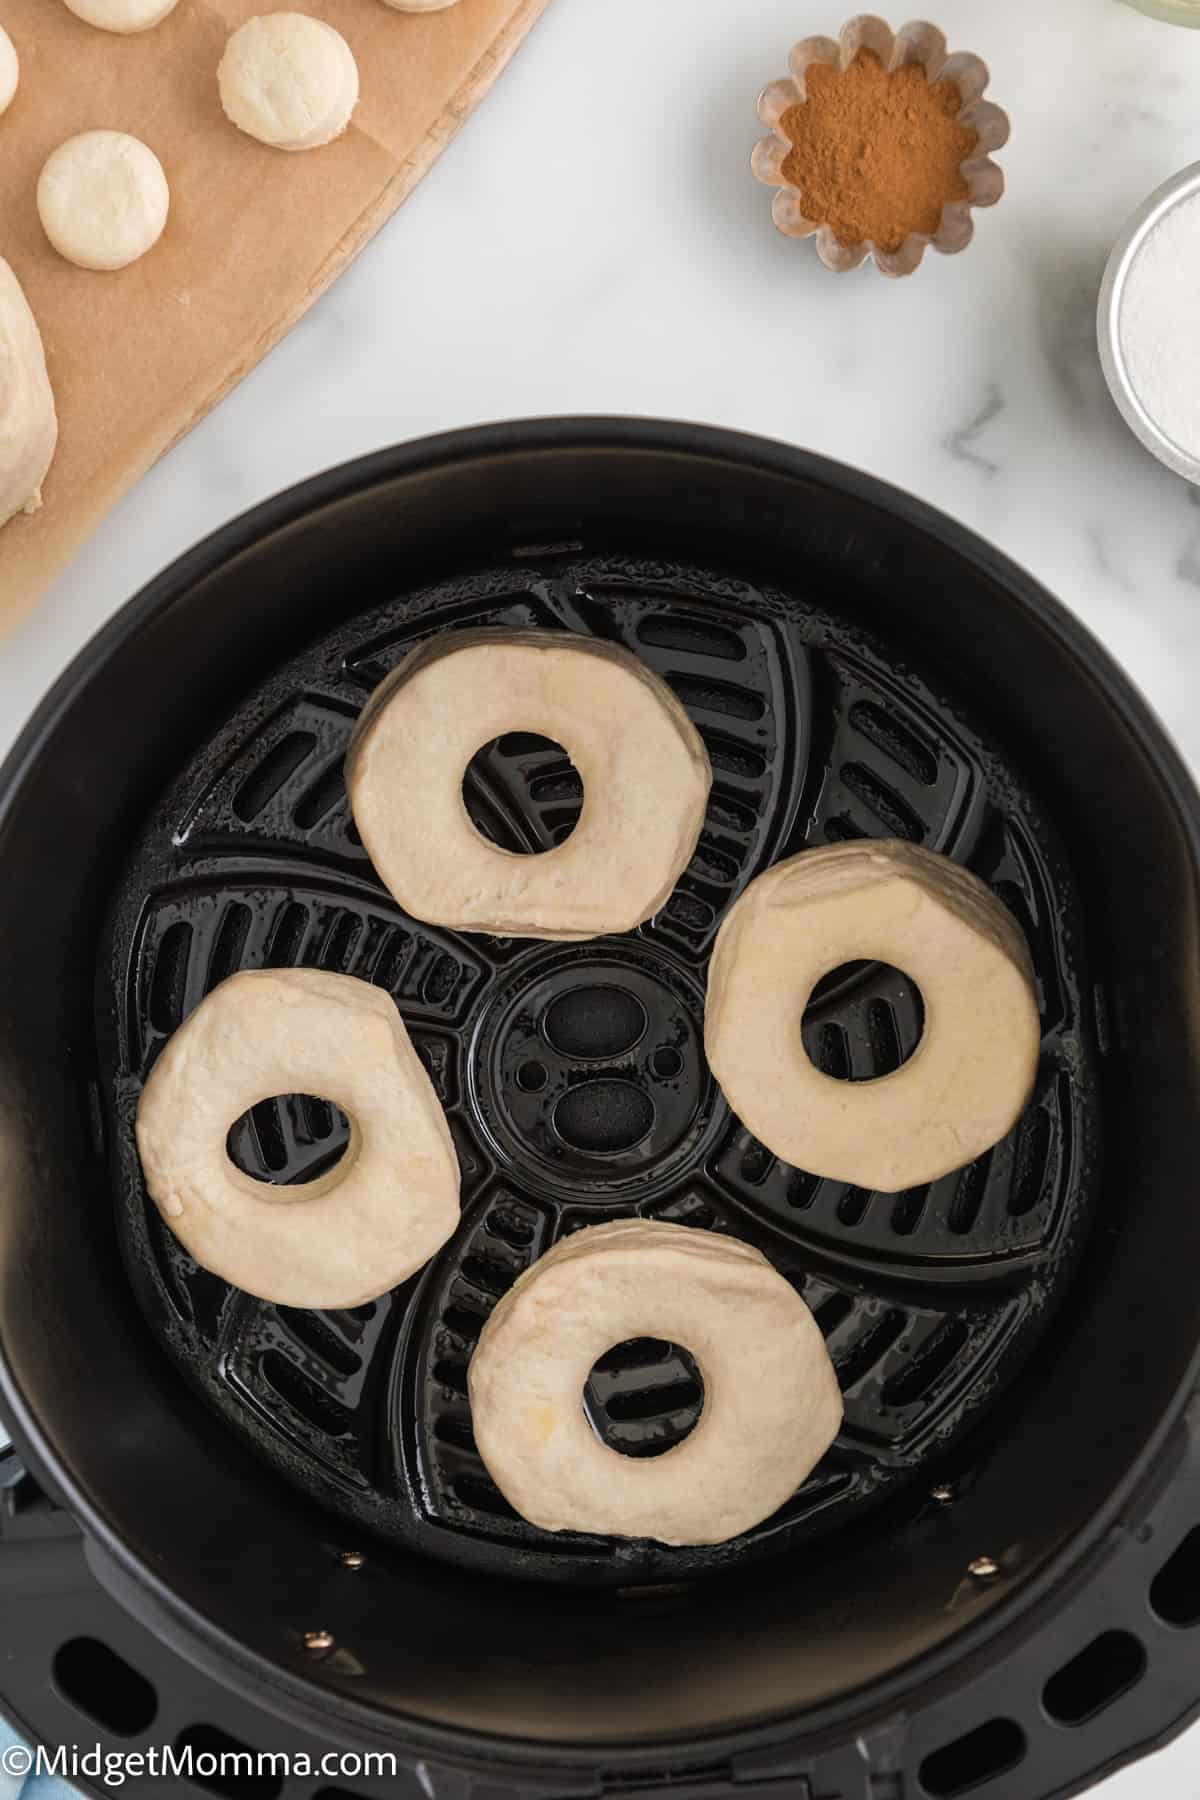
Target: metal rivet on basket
318,1642
984,1568
943,1493
352,1559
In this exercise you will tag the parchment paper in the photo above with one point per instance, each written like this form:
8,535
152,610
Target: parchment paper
138,356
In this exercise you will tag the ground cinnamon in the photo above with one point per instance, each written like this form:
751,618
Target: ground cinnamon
876,154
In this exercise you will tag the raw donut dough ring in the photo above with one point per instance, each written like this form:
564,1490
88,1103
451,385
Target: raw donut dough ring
103,199
772,1405
359,1229
644,770
970,1077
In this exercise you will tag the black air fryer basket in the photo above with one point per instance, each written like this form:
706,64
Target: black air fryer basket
241,1526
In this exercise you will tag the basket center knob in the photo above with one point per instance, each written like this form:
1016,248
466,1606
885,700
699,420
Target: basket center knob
590,1071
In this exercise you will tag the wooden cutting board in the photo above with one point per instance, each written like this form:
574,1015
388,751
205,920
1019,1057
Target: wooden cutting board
136,357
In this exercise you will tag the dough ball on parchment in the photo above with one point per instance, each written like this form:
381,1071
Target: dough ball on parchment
103,199
10,70
288,80
28,423
122,15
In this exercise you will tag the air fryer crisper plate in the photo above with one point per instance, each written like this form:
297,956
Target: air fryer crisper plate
574,1076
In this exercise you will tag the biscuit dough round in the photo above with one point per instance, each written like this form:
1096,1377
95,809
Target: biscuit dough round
970,1077
644,770
28,421
289,81
10,70
103,199
366,1224
122,16
772,1405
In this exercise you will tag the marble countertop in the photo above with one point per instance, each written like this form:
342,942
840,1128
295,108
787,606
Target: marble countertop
634,269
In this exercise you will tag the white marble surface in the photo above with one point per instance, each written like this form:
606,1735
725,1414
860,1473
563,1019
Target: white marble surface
634,269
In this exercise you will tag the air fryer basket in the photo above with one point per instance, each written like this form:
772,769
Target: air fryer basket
574,1074
1015,1343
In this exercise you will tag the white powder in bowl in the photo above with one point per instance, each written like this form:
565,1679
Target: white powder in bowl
1160,306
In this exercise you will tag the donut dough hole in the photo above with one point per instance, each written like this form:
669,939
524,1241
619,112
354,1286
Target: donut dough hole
10,70
970,1076
103,199
772,1405
122,16
28,422
289,81
643,766
357,1230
